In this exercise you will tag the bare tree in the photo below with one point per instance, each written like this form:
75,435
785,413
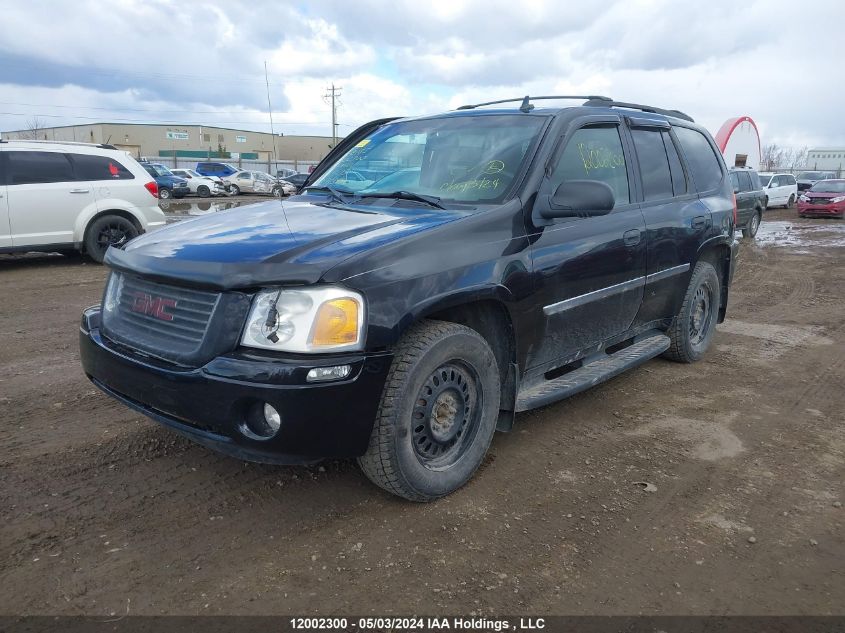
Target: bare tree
33,128
772,158
799,158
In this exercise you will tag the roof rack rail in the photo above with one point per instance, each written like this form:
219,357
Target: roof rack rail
527,106
636,106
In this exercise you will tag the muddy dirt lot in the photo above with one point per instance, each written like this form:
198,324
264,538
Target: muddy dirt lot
104,512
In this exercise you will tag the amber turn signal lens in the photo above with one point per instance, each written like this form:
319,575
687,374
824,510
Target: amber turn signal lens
336,323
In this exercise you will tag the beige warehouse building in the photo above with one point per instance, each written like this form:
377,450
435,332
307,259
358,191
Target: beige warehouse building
187,141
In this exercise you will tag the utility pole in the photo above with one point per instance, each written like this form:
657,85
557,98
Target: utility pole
333,95
270,110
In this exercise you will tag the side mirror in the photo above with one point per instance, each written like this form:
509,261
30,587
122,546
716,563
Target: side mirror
574,198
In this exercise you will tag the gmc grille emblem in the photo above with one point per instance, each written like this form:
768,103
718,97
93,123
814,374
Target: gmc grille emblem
156,307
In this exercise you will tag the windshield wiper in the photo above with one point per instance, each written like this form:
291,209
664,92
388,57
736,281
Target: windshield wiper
432,201
336,194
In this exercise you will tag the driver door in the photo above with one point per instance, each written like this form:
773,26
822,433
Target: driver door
590,271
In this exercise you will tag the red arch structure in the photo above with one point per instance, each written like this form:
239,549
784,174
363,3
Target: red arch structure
727,133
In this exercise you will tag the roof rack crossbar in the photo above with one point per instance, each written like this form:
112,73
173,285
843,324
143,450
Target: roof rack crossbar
636,106
526,105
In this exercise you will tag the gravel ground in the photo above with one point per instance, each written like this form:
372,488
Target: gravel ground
712,488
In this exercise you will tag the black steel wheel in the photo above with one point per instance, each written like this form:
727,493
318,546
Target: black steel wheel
203,191
109,230
446,415
693,328
438,412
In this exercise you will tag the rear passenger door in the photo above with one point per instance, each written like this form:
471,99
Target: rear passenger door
746,200
43,197
676,220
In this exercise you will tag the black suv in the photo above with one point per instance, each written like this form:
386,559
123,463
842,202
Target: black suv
436,276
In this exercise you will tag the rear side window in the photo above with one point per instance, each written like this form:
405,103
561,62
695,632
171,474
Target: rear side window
25,168
755,180
790,180
745,183
595,153
679,179
703,163
654,164
88,167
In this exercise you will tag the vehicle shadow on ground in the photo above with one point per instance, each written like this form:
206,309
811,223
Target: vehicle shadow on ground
35,261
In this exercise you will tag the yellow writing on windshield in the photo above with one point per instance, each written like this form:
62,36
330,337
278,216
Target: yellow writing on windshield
600,158
469,185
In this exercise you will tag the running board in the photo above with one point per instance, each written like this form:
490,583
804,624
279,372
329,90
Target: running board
591,374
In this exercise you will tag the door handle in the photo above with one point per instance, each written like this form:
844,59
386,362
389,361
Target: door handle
80,190
632,237
698,222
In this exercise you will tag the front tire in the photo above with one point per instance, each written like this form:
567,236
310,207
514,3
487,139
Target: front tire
235,190
109,230
203,191
692,329
164,193
437,414
791,202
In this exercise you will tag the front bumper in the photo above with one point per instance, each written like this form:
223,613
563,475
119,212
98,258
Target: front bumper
209,404
837,209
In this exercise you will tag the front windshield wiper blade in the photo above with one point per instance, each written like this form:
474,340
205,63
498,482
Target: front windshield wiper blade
337,194
432,201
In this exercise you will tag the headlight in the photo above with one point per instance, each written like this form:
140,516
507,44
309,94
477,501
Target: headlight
316,319
838,199
803,198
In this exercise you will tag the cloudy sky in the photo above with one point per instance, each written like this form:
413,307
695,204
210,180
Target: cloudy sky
203,61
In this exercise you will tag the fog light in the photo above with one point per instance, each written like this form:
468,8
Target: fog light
262,422
322,374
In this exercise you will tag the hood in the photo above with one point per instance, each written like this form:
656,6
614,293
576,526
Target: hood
294,241
823,194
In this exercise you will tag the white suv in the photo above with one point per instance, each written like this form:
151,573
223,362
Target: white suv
70,197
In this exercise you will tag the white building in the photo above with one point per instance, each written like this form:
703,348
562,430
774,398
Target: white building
826,158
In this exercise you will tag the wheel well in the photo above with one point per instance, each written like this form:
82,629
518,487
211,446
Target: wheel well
118,212
492,321
719,256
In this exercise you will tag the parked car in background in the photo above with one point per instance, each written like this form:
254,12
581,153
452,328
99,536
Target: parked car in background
203,186
297,180
169,186
825,198
750,200
284,172
253,182
807,179
780,189
288,188
216,169
73,197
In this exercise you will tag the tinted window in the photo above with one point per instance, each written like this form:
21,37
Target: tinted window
745,183
38,167
734,181
87,167
790,180
701,159
595,153
654,164
679,179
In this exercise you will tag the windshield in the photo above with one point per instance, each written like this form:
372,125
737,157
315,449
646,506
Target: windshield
810,175
464,158
161,170
193,173
829,186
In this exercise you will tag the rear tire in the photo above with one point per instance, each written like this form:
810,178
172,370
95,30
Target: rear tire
109,230
203,191
752,226
692,329
438,412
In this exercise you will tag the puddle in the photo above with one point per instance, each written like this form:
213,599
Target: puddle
802,237
177,210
